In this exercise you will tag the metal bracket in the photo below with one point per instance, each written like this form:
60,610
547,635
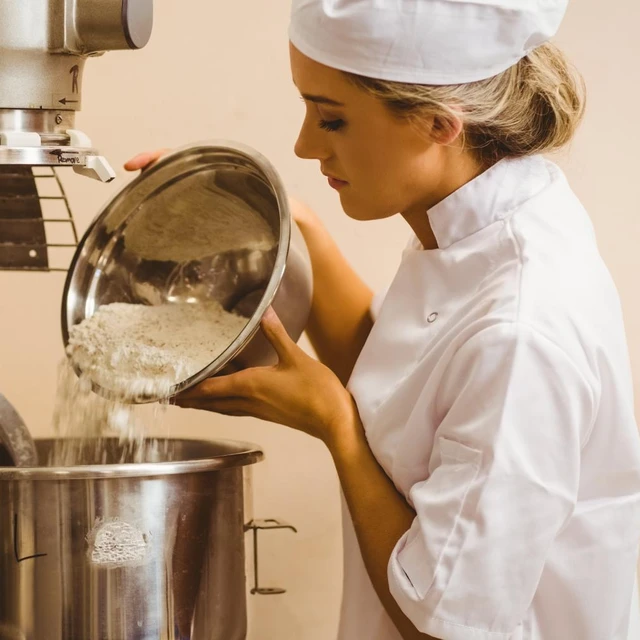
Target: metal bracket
255,526
23,225
96,167
20,139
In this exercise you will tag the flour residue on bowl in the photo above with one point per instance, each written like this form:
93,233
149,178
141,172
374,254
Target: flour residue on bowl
114,543
197,221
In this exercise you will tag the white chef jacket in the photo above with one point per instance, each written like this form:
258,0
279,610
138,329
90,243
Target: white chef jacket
496,393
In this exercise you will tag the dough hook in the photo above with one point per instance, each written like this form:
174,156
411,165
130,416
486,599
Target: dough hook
15,437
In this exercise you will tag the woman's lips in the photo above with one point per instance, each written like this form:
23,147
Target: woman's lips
336,184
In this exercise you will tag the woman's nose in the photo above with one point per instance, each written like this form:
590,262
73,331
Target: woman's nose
311,143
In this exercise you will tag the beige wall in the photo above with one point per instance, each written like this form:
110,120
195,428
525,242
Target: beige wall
220,70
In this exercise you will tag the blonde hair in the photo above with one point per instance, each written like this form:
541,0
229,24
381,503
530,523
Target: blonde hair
533,107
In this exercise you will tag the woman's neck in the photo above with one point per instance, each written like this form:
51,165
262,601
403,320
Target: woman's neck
457,169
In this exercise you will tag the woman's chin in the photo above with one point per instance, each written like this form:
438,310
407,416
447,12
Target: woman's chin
360,210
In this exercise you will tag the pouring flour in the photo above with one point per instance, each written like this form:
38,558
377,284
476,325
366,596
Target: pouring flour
169,285
131,351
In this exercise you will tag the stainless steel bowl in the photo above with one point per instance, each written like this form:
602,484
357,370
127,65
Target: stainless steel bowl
111,550
113,262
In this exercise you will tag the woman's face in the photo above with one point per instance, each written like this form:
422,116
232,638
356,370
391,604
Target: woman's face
380,165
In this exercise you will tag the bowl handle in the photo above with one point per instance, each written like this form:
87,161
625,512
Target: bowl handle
255,526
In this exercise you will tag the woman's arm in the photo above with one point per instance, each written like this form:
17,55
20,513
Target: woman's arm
380,515
340,321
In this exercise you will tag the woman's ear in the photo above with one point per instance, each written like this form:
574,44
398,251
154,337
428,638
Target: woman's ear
446,130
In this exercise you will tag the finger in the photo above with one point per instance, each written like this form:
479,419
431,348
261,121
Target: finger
277,335
234,385
143,160
226,406
229,368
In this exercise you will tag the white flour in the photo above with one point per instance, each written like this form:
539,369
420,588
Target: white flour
133,351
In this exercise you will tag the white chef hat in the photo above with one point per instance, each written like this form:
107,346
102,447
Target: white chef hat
423,41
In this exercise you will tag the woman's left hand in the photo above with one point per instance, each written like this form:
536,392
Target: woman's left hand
298,392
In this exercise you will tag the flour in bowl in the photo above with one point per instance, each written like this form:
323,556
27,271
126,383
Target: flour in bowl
133,351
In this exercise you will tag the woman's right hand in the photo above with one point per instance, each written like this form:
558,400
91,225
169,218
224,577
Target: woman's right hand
144,160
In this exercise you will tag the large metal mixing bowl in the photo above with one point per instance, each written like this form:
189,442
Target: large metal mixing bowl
124,258
115,551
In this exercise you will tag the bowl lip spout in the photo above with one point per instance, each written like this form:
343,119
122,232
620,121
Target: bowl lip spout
233,453
195,150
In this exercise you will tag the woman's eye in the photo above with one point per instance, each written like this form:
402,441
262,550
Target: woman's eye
331,125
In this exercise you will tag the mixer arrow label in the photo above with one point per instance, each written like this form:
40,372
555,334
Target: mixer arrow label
66,100
15,543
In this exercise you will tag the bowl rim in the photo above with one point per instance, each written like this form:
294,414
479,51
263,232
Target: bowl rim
246,454
282,253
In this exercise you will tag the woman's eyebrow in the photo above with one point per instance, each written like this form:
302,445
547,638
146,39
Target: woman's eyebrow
322,100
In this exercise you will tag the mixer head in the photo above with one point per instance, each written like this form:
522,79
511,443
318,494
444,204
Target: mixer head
43,48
